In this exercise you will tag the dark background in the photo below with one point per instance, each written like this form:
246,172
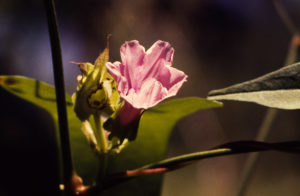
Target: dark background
217,43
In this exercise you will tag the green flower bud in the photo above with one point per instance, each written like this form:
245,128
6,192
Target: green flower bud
96,92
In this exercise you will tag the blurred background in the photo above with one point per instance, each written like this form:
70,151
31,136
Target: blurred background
217,43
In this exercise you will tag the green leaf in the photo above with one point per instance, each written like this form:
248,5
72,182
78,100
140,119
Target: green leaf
155,128
278,89
43,95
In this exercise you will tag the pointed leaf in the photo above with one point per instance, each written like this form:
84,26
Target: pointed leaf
100,62
43,96
278,89
155,127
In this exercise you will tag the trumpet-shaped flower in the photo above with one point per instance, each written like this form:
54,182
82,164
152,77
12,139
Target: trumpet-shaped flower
144,78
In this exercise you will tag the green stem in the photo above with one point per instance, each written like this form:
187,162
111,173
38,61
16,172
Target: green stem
225,149
100,134
180,161
103,161
170,164
103,148
60,93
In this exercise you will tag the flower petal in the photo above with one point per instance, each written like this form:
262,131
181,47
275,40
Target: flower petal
114,69
146,78
172,79
117,70
160,49
160,54
150,94
132,55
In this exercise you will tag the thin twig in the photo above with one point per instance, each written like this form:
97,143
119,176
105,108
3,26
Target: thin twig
271,113
283,14
60,93
177,162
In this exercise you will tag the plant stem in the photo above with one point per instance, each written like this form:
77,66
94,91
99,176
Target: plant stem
283,14
60,93
100,134
182,160
225,149
271,113
103,161
177,162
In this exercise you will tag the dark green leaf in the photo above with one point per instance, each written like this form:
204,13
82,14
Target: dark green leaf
43,95
155,127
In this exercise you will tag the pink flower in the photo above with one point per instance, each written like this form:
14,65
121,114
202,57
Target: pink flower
144,78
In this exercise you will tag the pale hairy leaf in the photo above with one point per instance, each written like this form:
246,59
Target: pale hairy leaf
278,89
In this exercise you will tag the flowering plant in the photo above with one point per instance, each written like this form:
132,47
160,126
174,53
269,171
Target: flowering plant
144,79
116,126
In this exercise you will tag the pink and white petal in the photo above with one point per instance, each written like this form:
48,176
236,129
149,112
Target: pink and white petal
122,85
170,77
114,69
175,88
154,71
151,93
129,96
158,56
159,50
120,74
132,55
